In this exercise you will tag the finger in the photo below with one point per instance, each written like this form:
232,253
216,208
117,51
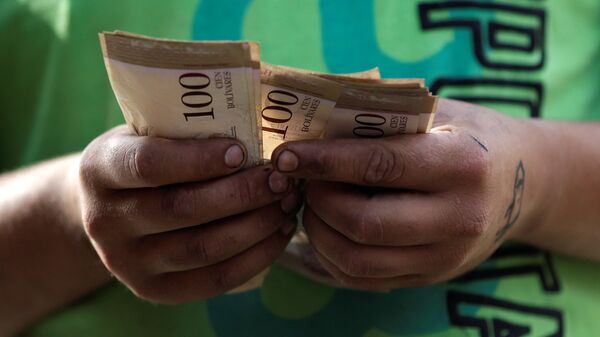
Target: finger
373,284
369,261
381,218
123,160
209,244
426,162
178,206
216,279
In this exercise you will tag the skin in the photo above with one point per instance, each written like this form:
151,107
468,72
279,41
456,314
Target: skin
413,210
175,221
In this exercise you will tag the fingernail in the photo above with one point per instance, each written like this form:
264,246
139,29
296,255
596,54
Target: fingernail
287,161
234,157
288,227
289,203
278,183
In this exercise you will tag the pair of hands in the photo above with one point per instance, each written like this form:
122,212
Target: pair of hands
179,220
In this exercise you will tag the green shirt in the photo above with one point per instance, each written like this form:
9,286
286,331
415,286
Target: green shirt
528,58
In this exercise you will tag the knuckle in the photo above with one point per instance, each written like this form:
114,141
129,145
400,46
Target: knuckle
140,163
114,260
474,224
217,247
479,222
365,227
87,168
95,223
195,252
323,165
471,217
457,256
452,258
383,166
244,191
180,203
197,249
357,229
475,165
320,164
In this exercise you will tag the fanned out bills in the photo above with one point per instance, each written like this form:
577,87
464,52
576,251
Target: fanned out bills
199,89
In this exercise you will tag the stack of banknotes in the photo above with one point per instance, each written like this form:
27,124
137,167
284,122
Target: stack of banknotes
199,89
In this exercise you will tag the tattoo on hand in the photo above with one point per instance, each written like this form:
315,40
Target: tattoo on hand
514,208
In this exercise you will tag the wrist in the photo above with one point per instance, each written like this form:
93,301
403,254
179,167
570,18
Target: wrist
56,263
540,143
70,204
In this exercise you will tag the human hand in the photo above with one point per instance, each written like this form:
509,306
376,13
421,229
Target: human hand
412,210
177,220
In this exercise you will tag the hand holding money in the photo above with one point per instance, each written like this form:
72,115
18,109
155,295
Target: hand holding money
179,89
411,210
176,89
178,219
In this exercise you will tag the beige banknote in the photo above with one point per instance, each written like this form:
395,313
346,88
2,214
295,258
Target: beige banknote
368,111
295,105
179,89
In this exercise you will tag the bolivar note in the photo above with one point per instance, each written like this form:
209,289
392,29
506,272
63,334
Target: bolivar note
295,105
190,89
381,108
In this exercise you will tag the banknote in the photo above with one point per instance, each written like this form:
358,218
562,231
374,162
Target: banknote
381,108
295,105
178,89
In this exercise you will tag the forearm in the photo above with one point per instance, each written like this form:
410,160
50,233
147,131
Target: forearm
45,257
568,217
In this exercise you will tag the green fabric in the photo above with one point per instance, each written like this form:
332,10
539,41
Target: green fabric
55,98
